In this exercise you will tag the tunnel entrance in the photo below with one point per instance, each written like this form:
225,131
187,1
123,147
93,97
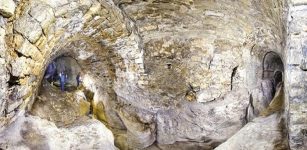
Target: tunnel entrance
63,72
61,97
273,67
267,97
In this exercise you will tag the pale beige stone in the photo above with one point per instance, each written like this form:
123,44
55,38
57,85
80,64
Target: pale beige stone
35,133
43,14
7,8
30,50
28,27
263,133
299,2
22,66
2,42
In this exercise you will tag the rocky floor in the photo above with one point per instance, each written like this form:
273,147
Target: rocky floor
63,107
269,132
33,132
58,120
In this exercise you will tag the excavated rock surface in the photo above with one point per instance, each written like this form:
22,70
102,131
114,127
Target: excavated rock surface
62,108
33,132
160,74
7,8
296,73
268,132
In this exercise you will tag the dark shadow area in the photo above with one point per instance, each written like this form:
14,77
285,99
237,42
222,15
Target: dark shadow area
272,66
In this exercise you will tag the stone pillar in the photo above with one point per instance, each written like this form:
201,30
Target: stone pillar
296,74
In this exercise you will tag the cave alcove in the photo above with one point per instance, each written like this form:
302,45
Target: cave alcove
273,69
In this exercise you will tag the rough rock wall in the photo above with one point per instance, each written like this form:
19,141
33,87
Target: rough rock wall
296,53
38,31
198,40
36,133
165,71
265,130
206,52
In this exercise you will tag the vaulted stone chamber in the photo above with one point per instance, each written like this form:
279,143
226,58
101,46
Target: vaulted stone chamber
160,75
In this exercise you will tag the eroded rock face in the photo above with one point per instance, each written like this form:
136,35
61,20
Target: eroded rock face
199,122
296,74
141,127
269,133
33,132
7,8
62,108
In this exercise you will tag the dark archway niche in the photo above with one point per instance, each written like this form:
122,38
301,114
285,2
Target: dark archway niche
273,67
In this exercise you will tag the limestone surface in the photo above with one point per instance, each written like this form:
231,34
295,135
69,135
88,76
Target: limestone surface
7,8
33,132
268,132
166,74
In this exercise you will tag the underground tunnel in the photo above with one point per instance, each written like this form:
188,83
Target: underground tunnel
273,69
63,72
61,92
153,75
272,66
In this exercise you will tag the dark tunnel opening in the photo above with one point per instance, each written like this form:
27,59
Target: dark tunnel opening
273,69
63,72
62,93
272,63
